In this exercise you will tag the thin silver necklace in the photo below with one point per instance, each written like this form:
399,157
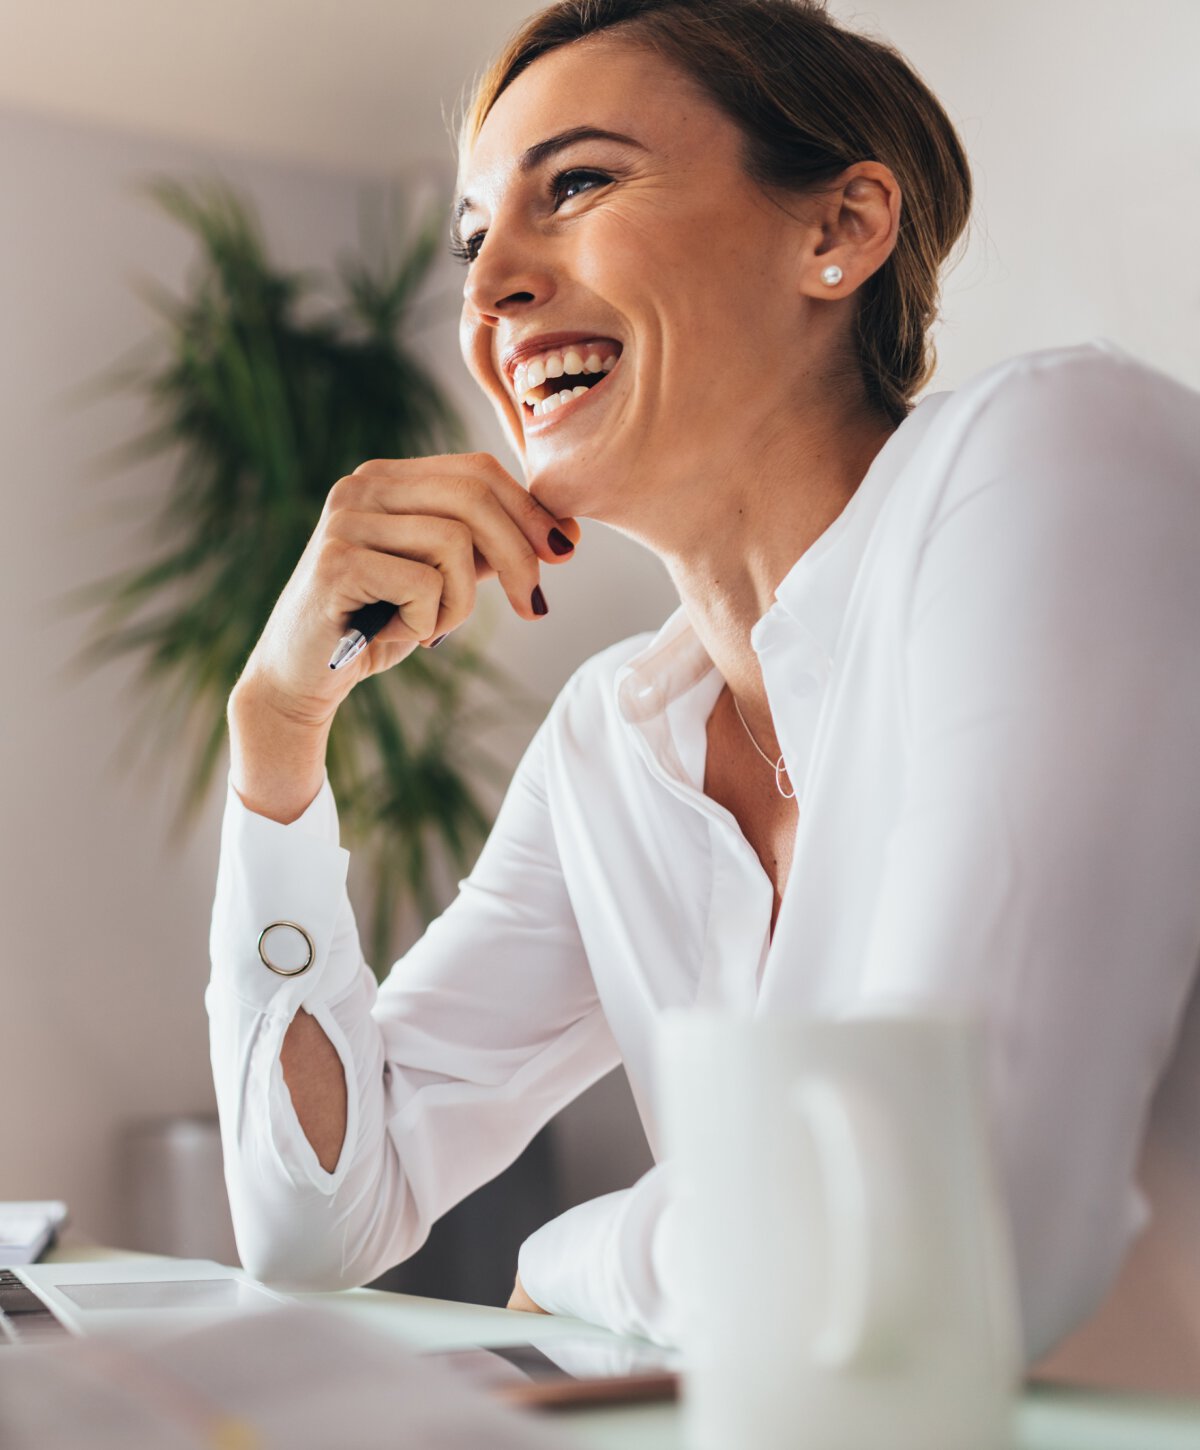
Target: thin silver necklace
777,766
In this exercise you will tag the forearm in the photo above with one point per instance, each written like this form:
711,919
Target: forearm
277,761
611,1261
299,1223
277,766
295,1179
446,1077
316,1083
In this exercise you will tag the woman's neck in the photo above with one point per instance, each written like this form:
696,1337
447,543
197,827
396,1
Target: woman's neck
746,531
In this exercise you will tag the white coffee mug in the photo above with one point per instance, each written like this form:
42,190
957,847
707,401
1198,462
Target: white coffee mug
843,1264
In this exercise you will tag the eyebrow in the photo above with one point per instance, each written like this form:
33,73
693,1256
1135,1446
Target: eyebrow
542,151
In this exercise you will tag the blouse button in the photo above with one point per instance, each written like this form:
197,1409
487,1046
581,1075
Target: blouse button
286,948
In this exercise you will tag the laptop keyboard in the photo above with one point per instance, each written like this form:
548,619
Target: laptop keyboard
24,1319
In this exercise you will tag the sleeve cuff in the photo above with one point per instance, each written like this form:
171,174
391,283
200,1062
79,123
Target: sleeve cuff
291,876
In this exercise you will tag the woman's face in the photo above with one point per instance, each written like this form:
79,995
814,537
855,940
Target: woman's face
655,250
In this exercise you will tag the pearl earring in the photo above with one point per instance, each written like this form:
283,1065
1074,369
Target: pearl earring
831,276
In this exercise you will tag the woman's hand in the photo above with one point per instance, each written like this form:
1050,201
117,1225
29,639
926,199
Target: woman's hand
518,1299
420,532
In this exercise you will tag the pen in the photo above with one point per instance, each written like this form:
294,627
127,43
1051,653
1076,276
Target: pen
365,624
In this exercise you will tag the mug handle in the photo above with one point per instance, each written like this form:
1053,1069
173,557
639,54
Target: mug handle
868,1203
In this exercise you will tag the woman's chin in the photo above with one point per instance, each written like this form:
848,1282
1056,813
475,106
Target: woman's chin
562,492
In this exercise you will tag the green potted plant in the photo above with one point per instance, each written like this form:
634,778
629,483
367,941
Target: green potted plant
264,403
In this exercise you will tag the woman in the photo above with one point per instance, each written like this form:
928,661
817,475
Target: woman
923,728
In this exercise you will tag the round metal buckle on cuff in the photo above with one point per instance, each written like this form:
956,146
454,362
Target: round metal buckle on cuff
285,971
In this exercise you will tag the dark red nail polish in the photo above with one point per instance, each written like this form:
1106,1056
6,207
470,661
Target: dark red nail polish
433,643
559,542
538,600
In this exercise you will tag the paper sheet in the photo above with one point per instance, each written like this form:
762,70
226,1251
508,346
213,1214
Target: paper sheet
289,1379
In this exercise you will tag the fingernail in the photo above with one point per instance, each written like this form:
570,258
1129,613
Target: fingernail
559,542
538,600
433,643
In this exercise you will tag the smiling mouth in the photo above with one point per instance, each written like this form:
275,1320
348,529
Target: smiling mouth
559,376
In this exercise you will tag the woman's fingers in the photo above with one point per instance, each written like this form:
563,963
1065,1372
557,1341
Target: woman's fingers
573,533
511,533
500,545
445,545
413,587
502,548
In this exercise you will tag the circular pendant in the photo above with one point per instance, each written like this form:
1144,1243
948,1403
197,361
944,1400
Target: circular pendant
780,774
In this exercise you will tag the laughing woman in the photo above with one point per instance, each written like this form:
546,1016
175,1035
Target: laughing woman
923,729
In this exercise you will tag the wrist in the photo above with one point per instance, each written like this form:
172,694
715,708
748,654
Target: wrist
277,758
256,702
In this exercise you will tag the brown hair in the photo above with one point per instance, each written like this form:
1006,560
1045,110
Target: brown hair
810,99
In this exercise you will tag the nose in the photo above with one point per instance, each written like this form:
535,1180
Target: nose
506,278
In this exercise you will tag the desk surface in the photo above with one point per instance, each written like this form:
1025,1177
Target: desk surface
1048,1418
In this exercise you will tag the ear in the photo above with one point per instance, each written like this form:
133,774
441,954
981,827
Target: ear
858,222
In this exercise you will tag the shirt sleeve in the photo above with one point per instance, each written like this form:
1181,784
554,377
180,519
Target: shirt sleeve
1044,869
609,1261
480,1033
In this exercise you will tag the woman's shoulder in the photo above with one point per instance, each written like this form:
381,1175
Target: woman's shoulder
1097,379
589,694
583,720
1079,415
596,677
1054,364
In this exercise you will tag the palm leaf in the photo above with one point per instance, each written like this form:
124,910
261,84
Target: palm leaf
263,408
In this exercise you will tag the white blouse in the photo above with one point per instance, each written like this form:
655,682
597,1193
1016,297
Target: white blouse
985,680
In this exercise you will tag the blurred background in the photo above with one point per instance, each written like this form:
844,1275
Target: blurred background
1082,121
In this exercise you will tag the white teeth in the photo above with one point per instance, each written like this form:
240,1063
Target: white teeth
529,378
558,400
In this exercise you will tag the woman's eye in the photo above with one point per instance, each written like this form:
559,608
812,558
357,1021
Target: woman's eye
563,186
570,183
467,250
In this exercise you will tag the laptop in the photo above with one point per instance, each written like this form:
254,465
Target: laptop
43,1302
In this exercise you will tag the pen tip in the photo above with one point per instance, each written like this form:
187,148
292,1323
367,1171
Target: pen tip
347,648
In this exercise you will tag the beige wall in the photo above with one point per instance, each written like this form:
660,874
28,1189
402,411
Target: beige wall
105,919
105,922
1082,122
